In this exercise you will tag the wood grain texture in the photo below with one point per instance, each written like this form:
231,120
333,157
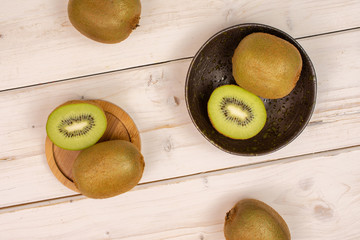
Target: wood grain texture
120,126
318,197
154,98
38,44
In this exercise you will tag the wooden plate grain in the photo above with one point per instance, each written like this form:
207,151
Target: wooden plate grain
120,126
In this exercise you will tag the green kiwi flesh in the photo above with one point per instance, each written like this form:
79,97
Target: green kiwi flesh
108,169
235,112
251,219
76,125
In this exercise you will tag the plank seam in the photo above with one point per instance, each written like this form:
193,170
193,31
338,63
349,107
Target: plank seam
329,33
158,63
76,197
97,74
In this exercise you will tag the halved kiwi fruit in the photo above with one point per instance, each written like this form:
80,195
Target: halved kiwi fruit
235,112
76,125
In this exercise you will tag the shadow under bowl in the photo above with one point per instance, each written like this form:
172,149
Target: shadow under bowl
212,67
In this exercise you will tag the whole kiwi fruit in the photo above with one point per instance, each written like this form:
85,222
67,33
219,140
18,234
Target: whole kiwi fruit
106,21
108,169
76,124
266,65
252,219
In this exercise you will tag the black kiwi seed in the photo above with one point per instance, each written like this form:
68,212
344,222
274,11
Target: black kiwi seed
239,103
76,119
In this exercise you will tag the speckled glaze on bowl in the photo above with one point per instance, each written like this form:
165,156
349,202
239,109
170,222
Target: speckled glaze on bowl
212,67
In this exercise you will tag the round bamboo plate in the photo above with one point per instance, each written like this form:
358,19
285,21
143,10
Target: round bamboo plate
119,126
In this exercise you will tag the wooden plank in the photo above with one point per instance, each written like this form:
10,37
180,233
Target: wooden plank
38,43
195,208
154,98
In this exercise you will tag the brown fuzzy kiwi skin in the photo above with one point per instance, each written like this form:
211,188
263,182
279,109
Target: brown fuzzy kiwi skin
108,169
106,21
252,219
266,65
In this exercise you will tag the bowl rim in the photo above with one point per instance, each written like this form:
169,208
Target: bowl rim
242,25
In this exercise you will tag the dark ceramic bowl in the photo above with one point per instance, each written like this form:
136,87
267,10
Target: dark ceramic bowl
212,67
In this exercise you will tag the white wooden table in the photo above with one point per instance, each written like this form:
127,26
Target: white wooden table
188,184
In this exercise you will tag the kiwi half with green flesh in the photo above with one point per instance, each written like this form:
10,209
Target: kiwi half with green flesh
76,125
235,112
